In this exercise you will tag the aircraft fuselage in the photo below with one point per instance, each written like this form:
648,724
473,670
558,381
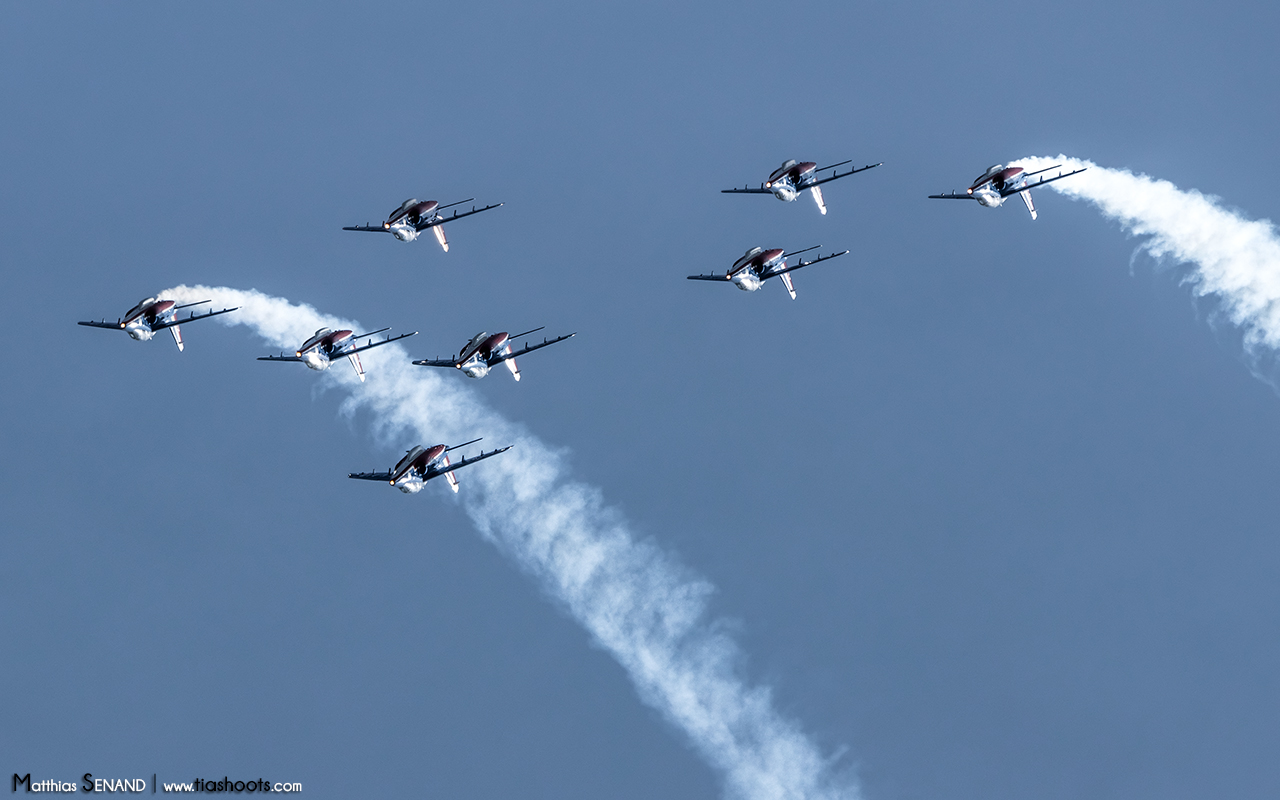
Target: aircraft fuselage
403,222
477,355
746,272
787,181
320,350
140,319
992,187
409,474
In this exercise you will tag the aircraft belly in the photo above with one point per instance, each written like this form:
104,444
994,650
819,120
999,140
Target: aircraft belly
747,281
315,361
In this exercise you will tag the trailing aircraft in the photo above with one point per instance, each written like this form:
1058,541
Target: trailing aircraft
421,464
328,345
152,315
486,350
415,216
758,265
998,182
793,177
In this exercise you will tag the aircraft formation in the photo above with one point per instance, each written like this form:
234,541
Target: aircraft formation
485,350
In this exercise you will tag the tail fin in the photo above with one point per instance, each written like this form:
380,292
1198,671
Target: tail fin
451,477
1026,198
177,336
354,358
817,198
786,280
439,229
511,365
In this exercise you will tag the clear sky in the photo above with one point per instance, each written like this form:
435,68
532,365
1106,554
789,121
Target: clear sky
989,506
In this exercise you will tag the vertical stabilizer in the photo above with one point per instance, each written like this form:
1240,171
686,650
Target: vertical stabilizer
354,358
450,477
511,365
176,330
786,281
1026,198
439,229
816,191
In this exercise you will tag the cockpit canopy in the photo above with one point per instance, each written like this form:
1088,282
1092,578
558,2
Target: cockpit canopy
322,332
753,251
790,162
476,340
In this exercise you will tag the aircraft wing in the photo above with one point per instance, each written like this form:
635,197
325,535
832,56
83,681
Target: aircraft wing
371,476
439,362
281,357
952,196
747,190
1042,182
422,226
531,347
837,175
369,228
370,345
193,317
435,473
709,278
115,326
771,273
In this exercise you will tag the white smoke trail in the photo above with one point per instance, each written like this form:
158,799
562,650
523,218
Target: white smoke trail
634,599
1233,259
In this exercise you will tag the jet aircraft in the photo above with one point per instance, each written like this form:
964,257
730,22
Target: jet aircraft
793,177
152,315
415,216
421,464
485,351
327,345
998,182
758,265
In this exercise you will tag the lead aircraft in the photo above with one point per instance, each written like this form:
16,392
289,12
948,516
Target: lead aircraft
486,350
793,177
998,182
414,216
152,315
758,265
421,464
328,345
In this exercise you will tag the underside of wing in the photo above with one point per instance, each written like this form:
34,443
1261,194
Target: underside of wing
838,175
193,317
422,226
747,190
371,345
115,326
952,196
784,270
281,357
369,228
439,362
531,347
709,278
1042,182
435,473
371,476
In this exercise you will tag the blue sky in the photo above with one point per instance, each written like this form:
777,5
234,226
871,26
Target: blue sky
988,504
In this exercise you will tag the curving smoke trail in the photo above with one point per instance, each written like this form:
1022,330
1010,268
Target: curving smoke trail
634,599
1233,259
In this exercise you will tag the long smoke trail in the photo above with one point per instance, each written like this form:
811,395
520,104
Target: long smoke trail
1233,259
634,599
